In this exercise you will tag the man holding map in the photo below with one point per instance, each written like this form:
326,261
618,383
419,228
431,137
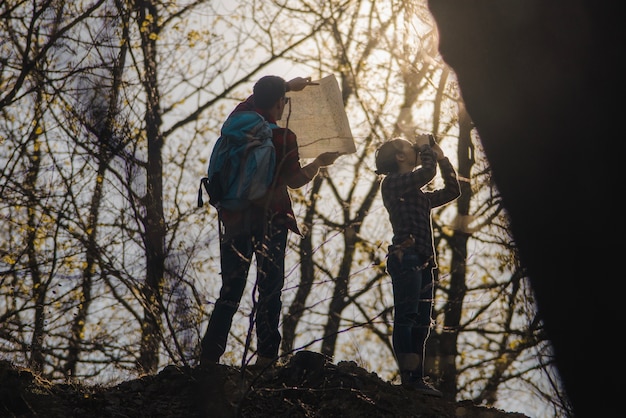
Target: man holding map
262,229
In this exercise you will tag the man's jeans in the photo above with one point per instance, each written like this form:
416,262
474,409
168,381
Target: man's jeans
412,281
236,255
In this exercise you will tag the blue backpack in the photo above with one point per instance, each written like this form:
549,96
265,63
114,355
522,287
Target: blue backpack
242,164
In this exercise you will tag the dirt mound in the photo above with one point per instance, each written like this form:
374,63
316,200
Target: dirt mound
306,385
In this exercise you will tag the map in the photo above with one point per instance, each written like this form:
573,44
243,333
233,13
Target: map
319,119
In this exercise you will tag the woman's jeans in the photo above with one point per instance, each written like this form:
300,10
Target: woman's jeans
412,281
236,256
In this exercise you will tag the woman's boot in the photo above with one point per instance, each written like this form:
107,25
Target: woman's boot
411,374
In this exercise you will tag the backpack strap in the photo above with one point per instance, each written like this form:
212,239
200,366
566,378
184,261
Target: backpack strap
204,182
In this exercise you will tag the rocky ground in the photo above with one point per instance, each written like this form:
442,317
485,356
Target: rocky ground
306,385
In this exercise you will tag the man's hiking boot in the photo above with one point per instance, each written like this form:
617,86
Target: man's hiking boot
262,363
207,362
421,386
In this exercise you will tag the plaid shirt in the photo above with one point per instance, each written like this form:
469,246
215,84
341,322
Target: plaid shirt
288,174
409,206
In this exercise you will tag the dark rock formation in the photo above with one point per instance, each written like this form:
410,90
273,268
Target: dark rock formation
543,82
